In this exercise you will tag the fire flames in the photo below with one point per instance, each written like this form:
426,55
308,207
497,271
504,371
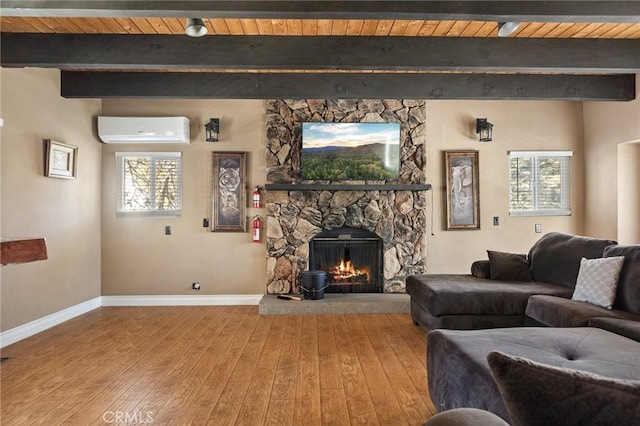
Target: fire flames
346,272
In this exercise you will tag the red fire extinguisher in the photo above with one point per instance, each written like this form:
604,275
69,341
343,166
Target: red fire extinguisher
256,196
256,229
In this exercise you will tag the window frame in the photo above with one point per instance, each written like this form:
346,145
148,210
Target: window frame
154,211
565,181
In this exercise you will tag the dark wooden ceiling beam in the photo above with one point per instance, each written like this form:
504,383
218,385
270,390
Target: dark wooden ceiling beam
144,52
526,11
88,84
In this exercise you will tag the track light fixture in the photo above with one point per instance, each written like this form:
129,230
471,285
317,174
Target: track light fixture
195,27
505,29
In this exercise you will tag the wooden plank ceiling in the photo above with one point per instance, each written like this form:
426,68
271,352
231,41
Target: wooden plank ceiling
317,27
565,38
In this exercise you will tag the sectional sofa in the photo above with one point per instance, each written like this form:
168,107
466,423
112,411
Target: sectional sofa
460,374
498,292
580,350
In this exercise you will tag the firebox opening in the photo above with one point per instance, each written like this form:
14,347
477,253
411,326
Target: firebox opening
351,257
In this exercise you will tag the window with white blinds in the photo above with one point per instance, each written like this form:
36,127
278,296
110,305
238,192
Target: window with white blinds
149,183
539,183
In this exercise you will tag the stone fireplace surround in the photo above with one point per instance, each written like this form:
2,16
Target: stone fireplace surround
294,216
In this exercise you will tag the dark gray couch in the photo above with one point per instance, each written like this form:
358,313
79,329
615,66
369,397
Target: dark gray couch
476,301
460,376
545,310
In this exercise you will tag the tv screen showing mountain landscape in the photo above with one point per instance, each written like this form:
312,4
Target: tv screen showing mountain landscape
350,151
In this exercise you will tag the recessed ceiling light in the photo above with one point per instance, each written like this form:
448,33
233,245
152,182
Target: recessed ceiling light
195,27
505,29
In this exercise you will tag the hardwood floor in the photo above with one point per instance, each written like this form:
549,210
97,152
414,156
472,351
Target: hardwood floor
219,365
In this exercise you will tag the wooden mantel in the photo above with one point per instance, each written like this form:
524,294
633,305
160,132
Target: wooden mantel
22,250
347,187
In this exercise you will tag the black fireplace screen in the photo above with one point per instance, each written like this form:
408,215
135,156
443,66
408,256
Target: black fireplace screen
351,257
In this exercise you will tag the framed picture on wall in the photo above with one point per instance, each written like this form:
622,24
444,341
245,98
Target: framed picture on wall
60,160
462,190
229,192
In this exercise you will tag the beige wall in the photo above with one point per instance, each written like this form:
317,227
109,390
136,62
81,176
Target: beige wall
629,193
519,125
137,257
606,125
65,212
89,245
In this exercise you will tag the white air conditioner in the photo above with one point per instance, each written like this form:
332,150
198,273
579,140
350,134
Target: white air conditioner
143,129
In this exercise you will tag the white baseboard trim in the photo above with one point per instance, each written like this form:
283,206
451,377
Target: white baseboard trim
182,300
29,329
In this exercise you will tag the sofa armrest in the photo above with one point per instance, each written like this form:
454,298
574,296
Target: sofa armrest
481,269
626,328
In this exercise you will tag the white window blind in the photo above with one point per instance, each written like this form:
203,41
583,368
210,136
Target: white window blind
149,183
539,183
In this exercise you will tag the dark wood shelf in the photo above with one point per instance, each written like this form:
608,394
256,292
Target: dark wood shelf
347,187
22,250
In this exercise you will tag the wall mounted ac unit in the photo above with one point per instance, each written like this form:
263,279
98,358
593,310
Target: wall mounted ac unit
143,129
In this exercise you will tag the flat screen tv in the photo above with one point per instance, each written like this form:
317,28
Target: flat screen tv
350,151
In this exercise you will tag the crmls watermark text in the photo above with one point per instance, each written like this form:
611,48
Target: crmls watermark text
128,417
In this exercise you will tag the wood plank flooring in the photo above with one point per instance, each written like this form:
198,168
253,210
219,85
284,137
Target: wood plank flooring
218,365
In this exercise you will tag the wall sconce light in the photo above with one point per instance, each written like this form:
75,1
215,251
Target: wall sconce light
212,129
484,129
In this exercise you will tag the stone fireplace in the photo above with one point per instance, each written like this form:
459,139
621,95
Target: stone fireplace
299,213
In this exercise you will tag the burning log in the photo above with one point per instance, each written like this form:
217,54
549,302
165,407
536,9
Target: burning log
350,279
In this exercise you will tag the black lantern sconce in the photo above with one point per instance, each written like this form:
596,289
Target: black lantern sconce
484,129
212,129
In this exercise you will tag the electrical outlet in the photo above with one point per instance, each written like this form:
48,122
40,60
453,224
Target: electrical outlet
496,221
538,228
167,230
195,286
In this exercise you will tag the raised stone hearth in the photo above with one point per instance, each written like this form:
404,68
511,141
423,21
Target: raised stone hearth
356,303
296,216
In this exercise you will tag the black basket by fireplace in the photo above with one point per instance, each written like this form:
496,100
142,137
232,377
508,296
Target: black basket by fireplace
313,284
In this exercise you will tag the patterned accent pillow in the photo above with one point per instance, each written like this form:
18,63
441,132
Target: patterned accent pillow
598,280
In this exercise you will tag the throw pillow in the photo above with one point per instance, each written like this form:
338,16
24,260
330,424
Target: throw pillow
598,280
538,394
481,269
509,266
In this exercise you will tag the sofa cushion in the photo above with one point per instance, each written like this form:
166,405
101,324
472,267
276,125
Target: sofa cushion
422,317
628,294
626,328
561,312
555,258
598,280
509,266
459,374
538,394
467,295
